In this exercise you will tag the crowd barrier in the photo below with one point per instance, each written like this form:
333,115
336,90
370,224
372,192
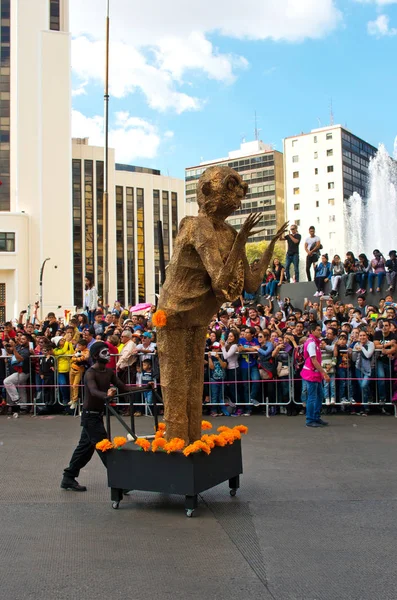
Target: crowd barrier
237,389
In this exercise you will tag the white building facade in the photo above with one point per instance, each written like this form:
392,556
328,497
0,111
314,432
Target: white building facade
322,170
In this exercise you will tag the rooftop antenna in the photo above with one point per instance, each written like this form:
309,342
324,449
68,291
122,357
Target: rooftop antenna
243,138
319,121
331,113
256,132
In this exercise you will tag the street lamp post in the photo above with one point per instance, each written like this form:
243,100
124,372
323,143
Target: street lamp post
41,287
106,167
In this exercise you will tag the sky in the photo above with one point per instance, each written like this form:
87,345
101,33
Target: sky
187,78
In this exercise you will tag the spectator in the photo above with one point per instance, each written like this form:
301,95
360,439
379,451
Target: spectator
342,357
363,268
255,319
293,240
15,383
79,362
147,378
328,363
99,324
386,342
377,270
322,275
90,298
313,373
337,270
47,374
63,350
350,266
249,373
88,336
269,278
278,272
230,355
217,368
312,247
362,352
126,364
391,274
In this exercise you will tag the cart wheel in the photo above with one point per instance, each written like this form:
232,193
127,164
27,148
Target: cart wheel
233,492
189,512
115,505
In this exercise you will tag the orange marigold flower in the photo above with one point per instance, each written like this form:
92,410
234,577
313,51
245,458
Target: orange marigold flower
242,429
223,428
207,439
236,433
189,449
200,445
158,443
159,434
161,427
174,445
104,445
205,425
119,441
227,436
219,440
159,318
143,443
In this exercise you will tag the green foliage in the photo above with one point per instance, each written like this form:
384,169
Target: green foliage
255,250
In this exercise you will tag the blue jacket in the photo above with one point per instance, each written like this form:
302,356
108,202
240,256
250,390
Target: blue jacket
323,270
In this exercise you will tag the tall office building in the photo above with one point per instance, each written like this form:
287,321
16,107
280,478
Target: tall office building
35,154
322,170
262,168
138,199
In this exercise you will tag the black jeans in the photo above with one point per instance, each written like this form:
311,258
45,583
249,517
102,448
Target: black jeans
93,432
311,259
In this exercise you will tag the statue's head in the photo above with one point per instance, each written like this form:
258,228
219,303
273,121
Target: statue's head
220,191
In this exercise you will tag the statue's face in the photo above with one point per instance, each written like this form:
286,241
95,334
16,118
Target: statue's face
221,191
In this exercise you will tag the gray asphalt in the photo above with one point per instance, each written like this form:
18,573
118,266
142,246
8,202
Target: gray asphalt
315,519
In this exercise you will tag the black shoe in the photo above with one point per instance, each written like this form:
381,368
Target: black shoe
313,424
72,485
322,423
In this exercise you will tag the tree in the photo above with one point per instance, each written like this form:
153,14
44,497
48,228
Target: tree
255,250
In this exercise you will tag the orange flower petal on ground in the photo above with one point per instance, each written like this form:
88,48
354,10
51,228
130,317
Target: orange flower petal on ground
104,445
142,443
242,429
205,425
158,443
159,318
119,441
174,445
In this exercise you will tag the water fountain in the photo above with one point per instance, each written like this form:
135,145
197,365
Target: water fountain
372,223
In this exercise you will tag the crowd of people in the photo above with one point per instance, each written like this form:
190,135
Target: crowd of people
254,356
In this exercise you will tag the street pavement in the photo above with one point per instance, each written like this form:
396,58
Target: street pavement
314,519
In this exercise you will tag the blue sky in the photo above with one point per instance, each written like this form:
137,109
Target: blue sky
185,85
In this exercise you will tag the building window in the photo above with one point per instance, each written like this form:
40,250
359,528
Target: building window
317,203
331,201
120,244
129,202
55,15
77,234
330,169
295,159
330,152
315,139
316,155
7,242
328,136
296,191
295,174
166,227
174,214
316,171
99,225
331,218
316,188
297,206
297,222
140,226
331,185
89,216
5,105
294,142
156,218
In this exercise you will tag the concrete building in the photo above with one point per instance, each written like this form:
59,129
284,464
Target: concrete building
35,153
262,168
50,204
322,170
138,198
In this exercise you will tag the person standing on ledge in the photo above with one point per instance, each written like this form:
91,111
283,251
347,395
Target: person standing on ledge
97,390
293,240
312,247
313,373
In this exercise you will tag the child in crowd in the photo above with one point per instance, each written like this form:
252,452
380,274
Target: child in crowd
47,374
78,364
217,366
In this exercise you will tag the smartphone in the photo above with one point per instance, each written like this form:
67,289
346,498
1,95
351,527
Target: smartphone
31,346
223,337
23,312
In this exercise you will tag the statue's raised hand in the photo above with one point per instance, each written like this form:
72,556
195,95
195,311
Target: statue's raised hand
281,231
249,224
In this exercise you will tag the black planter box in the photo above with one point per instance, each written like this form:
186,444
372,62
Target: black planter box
130,468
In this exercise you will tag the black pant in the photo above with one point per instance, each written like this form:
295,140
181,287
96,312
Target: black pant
311,259
48,390
93,432
320,283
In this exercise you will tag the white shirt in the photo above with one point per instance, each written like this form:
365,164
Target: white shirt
312,240
311,349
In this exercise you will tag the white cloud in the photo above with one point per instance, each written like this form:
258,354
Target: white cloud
130,136
378,2
154,44
380,27
81,90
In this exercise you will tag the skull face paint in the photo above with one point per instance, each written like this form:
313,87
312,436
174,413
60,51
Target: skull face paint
104,356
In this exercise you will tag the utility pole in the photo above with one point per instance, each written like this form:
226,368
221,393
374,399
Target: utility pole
106,167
